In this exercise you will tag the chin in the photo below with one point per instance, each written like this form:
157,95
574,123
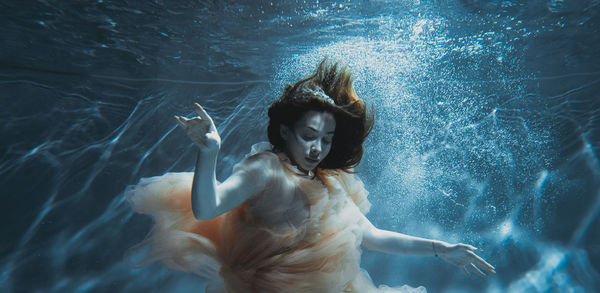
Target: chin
310,168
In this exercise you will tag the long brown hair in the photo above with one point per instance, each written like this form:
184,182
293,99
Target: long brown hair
329,89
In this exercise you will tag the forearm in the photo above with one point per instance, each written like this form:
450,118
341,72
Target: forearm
398,243
204,187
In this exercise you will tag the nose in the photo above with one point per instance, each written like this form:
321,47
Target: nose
315,149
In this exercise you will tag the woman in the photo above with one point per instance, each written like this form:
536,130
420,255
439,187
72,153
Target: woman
290,218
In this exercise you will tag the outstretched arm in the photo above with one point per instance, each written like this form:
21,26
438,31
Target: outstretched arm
209,198
461,255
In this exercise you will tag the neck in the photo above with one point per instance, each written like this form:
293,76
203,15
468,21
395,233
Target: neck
310,173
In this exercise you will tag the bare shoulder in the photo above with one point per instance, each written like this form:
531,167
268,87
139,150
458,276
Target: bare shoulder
262,162
257,171
250,177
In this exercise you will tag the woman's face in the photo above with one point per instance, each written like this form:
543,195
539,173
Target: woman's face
308,142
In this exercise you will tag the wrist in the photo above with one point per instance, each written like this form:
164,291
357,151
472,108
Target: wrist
439,248
205,153
206,161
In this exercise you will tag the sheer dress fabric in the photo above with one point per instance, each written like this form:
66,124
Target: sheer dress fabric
313,246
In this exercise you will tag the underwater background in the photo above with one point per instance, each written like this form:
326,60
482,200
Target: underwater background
487,128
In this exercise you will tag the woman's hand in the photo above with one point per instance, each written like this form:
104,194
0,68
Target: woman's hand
464,257
201,130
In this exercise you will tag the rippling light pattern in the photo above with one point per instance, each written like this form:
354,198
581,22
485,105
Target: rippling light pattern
487,128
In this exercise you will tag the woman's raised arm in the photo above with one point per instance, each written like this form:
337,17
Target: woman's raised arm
209,198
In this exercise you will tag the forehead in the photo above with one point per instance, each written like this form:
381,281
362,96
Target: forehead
317,120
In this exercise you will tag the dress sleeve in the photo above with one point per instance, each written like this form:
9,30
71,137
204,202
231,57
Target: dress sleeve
356,190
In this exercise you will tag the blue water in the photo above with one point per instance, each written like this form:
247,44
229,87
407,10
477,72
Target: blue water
487,128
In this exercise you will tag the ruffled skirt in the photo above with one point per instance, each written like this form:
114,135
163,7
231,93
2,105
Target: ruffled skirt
236,254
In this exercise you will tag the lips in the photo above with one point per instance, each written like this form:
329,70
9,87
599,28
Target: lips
314,161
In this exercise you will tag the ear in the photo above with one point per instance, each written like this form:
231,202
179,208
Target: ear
284,131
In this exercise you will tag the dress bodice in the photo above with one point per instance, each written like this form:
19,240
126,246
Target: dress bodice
281,210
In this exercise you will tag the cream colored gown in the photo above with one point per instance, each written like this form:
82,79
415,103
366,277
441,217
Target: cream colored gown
299,234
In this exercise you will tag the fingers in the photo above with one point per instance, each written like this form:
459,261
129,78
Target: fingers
464,268
467,246
187,122
204,116
201,112
477,270
480,262
181,121
201,129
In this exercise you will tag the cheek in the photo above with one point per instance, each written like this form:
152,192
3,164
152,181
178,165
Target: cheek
300,146
305,148
327,150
